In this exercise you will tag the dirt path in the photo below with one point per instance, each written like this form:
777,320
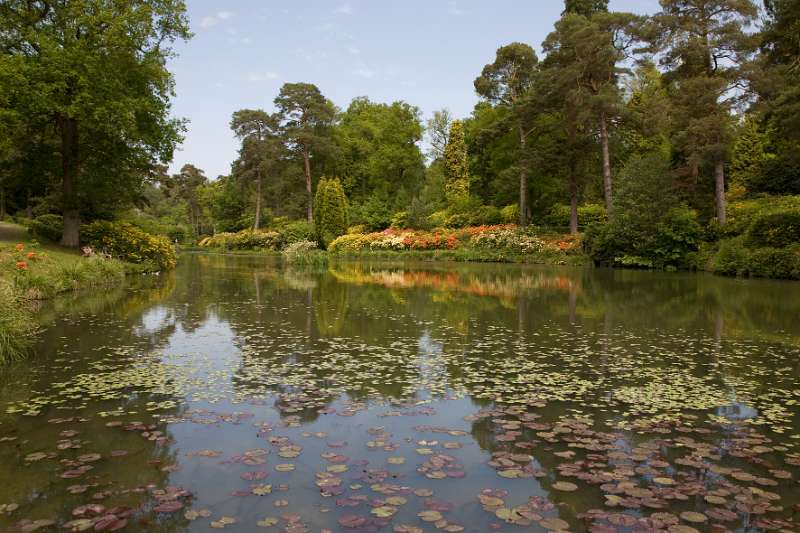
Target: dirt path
12,232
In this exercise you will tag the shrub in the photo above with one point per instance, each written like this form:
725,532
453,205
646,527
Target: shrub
304,253
330,210
735,258
48,227
127,242
510,214
247,239
510,240
472,213
775,262
677,235
777,229
668,243
588,214
742,214
297,231
731,259
400,220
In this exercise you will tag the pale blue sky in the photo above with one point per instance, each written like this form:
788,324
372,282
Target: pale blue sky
426,52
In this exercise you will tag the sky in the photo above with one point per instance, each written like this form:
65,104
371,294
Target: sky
424,52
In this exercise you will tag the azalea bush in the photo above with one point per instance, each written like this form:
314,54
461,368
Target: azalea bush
502,239
125,241
396,240
304,253
247,239
509,239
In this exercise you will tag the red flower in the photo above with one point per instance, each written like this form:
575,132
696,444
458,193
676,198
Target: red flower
20,247
22,265
31,255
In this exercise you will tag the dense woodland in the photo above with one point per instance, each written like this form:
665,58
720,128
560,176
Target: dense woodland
638,128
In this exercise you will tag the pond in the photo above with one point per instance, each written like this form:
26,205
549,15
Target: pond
235,393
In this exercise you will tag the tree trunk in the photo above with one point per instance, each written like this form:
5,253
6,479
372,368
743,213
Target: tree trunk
257,223
573,207
523,182
309,196
70,169
606,165
719,178
2,203
28,206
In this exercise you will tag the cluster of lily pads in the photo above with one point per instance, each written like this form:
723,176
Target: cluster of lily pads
576,432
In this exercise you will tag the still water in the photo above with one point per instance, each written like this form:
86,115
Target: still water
237,394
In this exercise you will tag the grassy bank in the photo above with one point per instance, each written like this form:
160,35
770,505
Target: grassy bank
30,272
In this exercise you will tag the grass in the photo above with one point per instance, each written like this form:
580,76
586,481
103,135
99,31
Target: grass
30,271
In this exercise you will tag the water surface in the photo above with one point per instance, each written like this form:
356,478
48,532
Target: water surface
238,394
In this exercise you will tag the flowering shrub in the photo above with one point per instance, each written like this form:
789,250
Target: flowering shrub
304,252
245,240
127,242
499,238
511,240
397,240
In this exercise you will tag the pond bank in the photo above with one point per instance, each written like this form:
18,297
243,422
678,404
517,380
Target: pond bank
31,272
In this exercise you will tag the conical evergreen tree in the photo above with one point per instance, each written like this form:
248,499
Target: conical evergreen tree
456,166
331,210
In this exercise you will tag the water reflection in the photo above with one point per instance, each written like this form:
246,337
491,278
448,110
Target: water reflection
645,392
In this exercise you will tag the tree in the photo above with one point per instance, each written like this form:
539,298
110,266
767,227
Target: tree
750,153
261,147
438,132
306,116
186,186
378,156
506,82
95,72
583,60
705,46
456,168
330,206
586,8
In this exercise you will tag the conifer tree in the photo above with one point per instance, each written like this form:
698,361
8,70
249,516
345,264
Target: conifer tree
331,210
456,165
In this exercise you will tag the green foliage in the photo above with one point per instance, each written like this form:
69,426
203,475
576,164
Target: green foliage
295,231
400,220
509,214
330,210
641,235
47,227
127,242
92,83
588,214
735,258
473,214
779,174
749,155
743,213
587,8
456,169
378,150
777,229
375,213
